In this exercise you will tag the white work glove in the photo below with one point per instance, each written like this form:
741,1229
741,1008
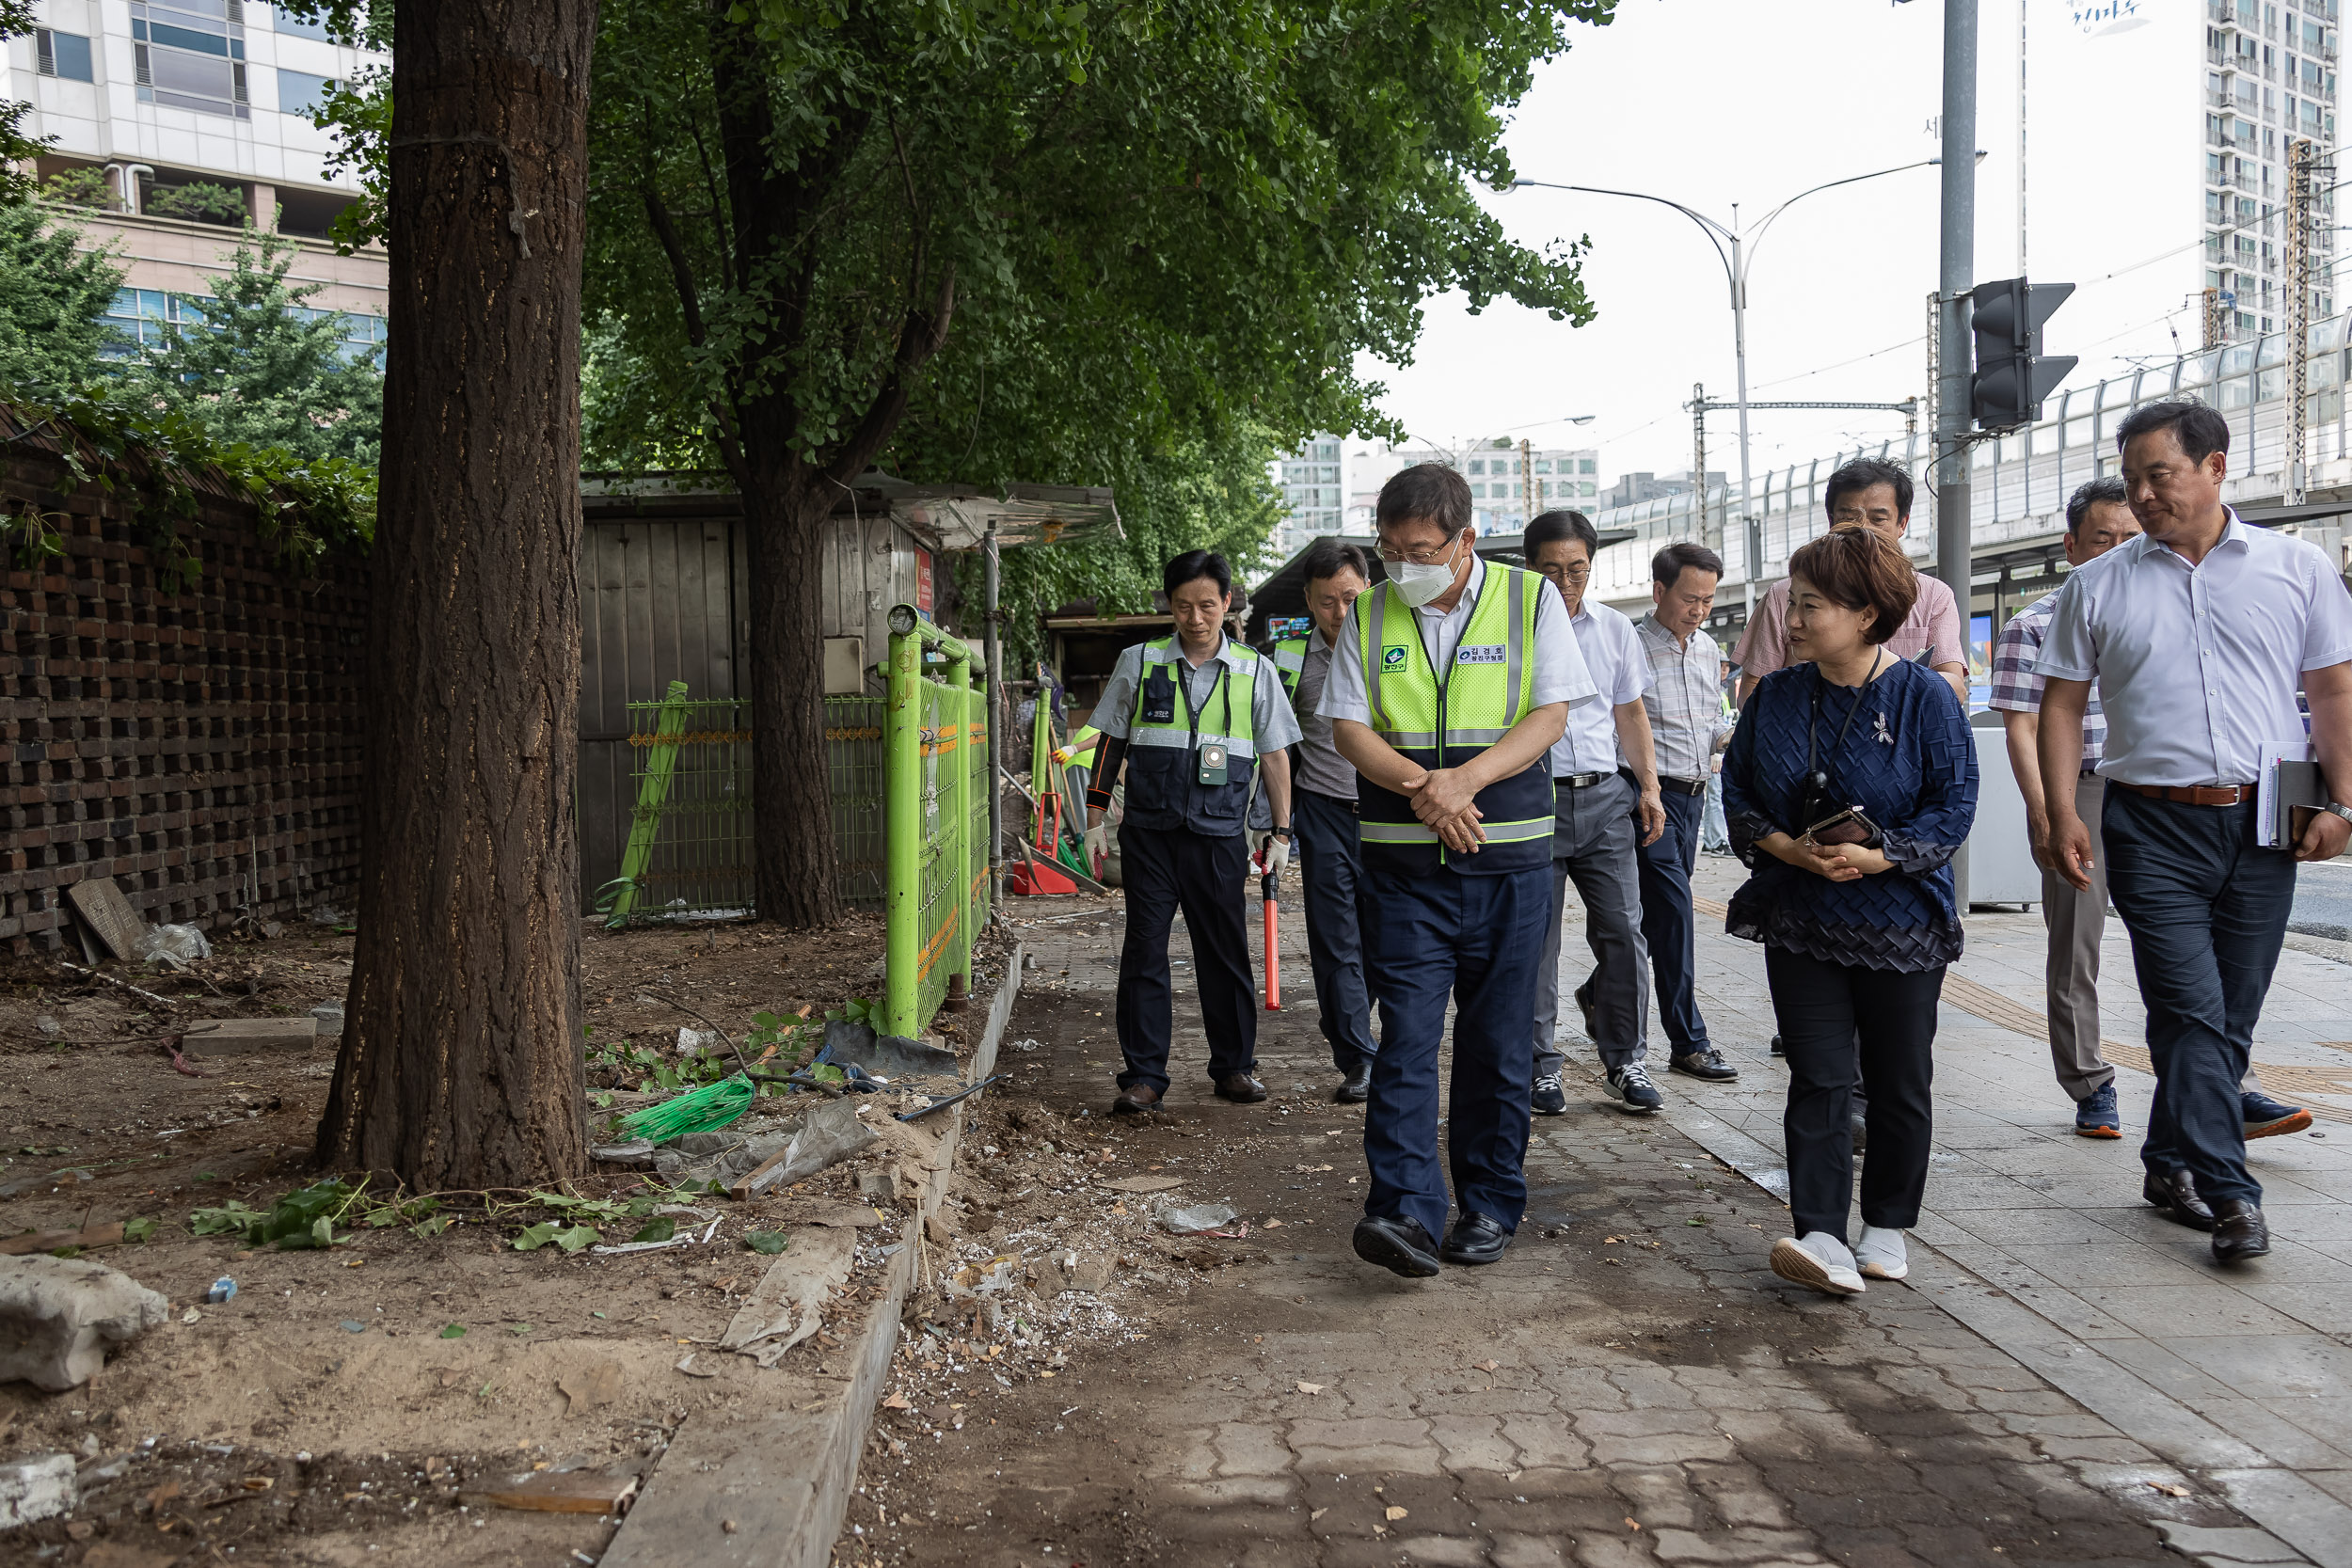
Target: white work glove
1061,753
1098,843
1274,853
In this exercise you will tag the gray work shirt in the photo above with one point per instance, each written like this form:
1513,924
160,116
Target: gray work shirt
1272,723
1319,766
1685,700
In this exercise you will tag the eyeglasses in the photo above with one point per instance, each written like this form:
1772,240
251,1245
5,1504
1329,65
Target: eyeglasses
1418,558
1565,574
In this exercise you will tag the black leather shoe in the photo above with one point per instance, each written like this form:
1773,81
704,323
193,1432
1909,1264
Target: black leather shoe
1778,1049
1140,1101
1398,1244
2175,1193
1475,1239
1356,1085
2238,1231
1859,1125
1585,1010
1708,1063
1240,1089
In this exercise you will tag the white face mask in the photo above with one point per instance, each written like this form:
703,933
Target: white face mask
1417,582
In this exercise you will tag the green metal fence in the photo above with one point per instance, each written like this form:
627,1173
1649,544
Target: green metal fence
689,841
936,818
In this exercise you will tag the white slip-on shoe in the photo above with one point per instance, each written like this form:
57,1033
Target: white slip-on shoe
1880,1254
1819,1261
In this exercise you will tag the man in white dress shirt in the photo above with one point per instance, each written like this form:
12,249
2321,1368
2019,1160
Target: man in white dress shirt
2198,634
1605,771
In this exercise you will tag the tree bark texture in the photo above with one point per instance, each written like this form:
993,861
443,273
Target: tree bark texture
461,1064
795,881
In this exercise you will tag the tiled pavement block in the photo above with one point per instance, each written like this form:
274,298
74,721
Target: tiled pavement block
1527,1551
1472,1443
1487,1401
1550,1441
2067,1424
2308,1519
1658,1496
2227,1545
1651,1388
1248,1450
1448,1550
1185,1456
2104,1451
1613,1551
1737,1495
1744,1546
2336,1484
1263,1491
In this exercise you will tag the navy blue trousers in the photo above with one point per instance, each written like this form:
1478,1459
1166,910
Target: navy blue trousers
1473,941
1165,870
2207,912
1331,884
1669,927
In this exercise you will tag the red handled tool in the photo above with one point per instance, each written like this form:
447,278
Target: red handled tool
1273,956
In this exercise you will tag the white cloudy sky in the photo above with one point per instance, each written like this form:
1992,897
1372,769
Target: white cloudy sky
1713,102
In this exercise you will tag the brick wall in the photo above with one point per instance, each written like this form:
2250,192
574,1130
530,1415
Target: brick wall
201,748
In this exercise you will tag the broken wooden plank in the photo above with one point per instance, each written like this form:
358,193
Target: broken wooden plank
109,1234
99,901
235,1037
570,1492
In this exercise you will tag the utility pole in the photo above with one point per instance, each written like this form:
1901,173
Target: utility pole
2024,9
2300,153
1955,277
1527,484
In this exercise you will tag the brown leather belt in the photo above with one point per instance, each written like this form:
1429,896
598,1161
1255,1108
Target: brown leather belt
2194,795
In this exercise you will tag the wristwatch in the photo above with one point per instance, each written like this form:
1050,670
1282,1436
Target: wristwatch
2337,808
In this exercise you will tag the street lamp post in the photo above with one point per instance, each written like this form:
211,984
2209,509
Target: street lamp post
1743,251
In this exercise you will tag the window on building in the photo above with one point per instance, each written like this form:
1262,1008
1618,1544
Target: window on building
65,56
305,28
1543,464
1587,489
185,60
1478,465
1584,465
299,92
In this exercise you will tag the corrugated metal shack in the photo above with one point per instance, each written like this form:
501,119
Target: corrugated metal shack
663,580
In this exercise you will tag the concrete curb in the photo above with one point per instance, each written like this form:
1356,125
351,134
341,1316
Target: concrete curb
768,1491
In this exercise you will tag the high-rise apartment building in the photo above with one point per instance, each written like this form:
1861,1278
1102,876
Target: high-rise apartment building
183,120
1505,492
1313,482
2270,80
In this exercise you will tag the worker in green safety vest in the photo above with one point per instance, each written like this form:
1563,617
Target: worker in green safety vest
1290,662
1452,682
1191,720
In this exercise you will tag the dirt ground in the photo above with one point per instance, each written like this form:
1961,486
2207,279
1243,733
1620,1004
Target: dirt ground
340,1405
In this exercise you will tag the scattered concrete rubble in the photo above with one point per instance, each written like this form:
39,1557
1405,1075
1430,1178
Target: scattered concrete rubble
60,1316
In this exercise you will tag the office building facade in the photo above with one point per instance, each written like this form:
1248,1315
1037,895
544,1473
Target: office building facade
182,120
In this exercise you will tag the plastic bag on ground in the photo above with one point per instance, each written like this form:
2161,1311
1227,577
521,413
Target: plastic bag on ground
174,944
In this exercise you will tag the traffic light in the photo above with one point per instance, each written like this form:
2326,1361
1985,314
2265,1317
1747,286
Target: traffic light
2013,375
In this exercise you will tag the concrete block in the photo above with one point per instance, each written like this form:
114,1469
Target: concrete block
59,1316
41,1487
247,1037
2227,1545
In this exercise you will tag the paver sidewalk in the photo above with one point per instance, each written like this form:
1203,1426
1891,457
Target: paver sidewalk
1629,1385
2039,1241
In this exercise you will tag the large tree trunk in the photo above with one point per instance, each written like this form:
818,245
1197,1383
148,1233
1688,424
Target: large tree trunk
461,1062
786,509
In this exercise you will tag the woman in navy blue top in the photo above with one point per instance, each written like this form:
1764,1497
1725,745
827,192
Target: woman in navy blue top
1850,781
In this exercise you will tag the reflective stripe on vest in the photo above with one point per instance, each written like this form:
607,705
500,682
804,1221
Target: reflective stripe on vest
1290,662
1239,693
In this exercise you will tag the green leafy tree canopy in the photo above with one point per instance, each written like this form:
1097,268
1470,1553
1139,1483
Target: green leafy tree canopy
17,149
53,303
255,370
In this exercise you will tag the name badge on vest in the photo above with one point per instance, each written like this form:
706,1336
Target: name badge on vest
1213,763
1393,658
1481,653
1159,697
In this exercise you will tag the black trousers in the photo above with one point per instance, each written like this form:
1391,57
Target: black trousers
1834,1020
1165,870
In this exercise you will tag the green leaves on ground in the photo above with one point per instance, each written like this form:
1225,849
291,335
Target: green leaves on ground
455,1331
767,1242
660,1229
302,1219
565,1239
140,1229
